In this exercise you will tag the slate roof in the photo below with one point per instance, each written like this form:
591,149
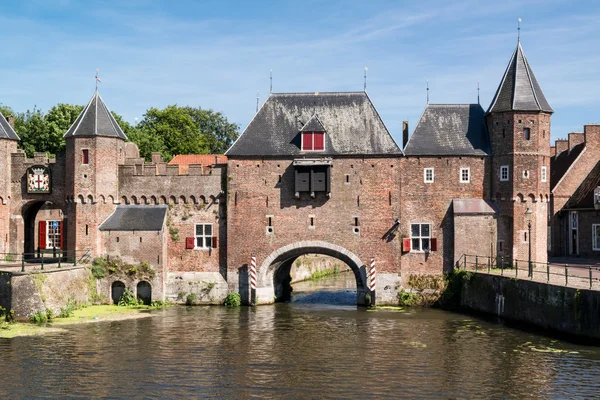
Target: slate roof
472,206
6,131
135,218
313,125
519,90
352,124
95,120
450,129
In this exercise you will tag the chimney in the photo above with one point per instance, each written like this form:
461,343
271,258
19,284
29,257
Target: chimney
592,135
575,138
404,133
552,151
561,145
11,120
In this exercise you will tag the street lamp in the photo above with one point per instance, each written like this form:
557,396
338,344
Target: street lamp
528,213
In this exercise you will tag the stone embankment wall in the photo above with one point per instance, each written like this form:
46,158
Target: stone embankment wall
556,308
305,266
27,293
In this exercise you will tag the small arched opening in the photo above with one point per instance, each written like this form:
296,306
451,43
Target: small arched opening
144,292
44,230
116,291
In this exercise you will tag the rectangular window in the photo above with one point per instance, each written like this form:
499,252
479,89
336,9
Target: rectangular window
85,156
313,141
428,175
420,237
501,246
53,233
526,133
596,237
204,233
504,173
465,175
544,174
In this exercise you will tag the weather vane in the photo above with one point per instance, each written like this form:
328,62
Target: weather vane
97,78
519,30
365,86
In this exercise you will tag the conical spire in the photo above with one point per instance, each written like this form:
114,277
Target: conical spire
519,90
96,120
7,131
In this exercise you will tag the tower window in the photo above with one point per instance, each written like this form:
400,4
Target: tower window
428,175
526,133
504,173
465,175
85,156
503,132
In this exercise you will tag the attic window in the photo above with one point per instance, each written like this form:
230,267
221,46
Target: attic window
313,141
526,133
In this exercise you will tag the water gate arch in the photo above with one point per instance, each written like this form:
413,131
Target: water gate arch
117,290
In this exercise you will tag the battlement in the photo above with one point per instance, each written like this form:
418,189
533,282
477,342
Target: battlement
20,158
164,169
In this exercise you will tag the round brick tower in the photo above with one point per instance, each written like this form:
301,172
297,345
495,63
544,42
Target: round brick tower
518,121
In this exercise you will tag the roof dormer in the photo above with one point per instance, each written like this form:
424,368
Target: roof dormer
313,135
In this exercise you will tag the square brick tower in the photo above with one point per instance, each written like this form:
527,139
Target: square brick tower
519,124
95,144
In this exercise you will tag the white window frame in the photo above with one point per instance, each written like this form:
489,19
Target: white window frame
468,180
203,236
504,168
420,237
544,174
595,238
54,240
425,171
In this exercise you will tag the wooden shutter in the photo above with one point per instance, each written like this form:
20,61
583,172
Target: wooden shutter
319,180
406,245
319,141
433,244
214,242
302,180
62,233
307,141
42,235
189,242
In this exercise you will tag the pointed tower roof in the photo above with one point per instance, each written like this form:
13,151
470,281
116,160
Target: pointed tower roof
96,120
519,90
313,125
7,131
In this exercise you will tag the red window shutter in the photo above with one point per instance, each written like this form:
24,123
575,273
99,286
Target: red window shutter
42,235
406,245
433,244
319,141
189,242
214,242
307,141
62,233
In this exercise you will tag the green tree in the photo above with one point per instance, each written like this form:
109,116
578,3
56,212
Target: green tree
58,121
183,130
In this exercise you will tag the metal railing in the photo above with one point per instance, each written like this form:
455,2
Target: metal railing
580,276
45,257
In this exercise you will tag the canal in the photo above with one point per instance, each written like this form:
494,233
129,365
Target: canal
303,349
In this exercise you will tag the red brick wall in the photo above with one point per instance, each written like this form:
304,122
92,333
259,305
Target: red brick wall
371,194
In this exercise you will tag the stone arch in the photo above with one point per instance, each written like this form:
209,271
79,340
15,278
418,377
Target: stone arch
212,199
547,201
1,200
116,291
541,198
124,200
163,200
276,267
134,200
520,198
531,197
202,200
90,199
143,200
193,199
172,200
38,233
101,199
80,199
182,200
153,200
111,199
144,292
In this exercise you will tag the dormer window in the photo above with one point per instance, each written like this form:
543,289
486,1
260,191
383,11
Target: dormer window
313,141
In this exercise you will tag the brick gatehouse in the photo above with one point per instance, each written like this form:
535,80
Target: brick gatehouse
313,173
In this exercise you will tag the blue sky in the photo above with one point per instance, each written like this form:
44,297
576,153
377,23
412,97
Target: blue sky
217,54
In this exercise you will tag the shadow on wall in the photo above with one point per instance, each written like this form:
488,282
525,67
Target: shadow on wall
287,192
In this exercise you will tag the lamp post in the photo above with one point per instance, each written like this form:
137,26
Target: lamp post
528,213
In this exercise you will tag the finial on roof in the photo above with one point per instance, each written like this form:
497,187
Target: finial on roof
257,101
271,79
365,86
97,78
519,30
478,93
427,81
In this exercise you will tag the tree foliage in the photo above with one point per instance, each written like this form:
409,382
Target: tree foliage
170,131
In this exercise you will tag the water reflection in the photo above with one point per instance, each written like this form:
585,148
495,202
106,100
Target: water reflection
297,350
